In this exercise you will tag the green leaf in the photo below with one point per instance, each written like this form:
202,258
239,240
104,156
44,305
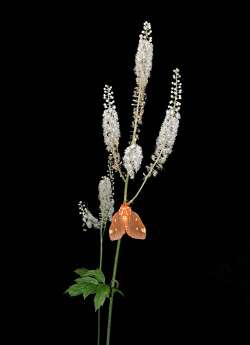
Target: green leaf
89,289
83,280
97,274
81,271
84,288
102,292
119,291
75,290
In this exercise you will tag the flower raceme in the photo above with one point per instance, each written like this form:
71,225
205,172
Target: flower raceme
111,127
142,69
106,201
144,56
132,159
88,220
169,128
164,142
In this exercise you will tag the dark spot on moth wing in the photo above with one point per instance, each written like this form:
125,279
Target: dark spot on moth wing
136,228
116,230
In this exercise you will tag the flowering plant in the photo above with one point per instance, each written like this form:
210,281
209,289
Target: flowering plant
125,221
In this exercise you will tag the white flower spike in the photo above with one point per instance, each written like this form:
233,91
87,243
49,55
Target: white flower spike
169,128
88,220
176,90
144,56
106,199
143,66
111,127
132,159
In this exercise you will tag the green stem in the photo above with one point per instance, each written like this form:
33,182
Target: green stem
140,93
126,188
117,165
113,281
99,327
100,267
139,190
112,293
146,178
101,248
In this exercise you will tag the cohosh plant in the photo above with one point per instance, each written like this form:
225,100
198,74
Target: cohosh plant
125,221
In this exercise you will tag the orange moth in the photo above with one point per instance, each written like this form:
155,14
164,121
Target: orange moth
126,221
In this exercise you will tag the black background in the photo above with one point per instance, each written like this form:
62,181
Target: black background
189,278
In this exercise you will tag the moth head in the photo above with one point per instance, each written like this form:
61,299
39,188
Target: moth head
125,210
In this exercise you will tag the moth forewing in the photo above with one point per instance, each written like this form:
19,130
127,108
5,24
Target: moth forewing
136,229
117,229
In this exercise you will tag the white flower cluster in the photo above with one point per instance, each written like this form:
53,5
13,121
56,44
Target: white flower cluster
88,219
144,56
169,128
176,90
106,199
132,159
165,140
143,66
110,125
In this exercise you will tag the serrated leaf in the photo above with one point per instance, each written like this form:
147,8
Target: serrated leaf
81,271
102,292
83,280
89,289
118,291
75,290
97,274
89,272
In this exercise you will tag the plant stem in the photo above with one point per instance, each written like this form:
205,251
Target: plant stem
146,178
118,166
101,248
139,190
112,293
99,327
100,267
126,188
140,93
114,271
